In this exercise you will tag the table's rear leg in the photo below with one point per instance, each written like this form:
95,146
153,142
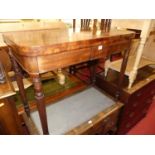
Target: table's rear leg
92,67
122,71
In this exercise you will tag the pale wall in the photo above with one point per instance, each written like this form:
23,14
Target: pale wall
128,23
149,49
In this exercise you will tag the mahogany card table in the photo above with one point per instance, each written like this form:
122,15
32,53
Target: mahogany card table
40,51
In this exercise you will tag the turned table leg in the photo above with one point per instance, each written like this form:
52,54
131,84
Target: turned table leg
92,67
19,79
39,96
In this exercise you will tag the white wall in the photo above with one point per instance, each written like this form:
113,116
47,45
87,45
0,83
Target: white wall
128,23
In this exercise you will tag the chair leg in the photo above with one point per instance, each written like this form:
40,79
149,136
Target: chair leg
72,69
107,65
132,78
106,71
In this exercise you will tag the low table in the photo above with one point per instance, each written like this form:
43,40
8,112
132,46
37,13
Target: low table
80,113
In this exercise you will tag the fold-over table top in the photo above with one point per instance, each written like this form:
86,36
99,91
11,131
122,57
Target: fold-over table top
32,42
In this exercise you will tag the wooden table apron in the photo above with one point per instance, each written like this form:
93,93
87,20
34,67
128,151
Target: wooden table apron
42,51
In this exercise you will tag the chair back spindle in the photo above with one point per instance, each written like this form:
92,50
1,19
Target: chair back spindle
74,23
95,24
105,25
85,24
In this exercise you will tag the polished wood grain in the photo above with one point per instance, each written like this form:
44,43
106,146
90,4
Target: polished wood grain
41,51
99,124
136,100
40,42
41,46
10,123
9,120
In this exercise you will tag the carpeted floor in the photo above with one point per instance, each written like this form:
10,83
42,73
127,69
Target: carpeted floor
147,125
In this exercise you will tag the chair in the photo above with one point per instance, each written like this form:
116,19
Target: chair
84,26
135,60
87,25
105,25
116,64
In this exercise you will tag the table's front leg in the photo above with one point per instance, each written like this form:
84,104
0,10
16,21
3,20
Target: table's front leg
39,96
19,79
